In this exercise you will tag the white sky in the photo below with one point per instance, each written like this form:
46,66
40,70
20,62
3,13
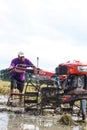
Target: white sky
53,30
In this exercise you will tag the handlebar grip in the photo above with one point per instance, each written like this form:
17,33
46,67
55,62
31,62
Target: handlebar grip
30,71
11,69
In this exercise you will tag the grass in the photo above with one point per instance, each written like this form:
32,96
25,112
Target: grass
4,87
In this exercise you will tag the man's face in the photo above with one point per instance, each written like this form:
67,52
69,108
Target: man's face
22,58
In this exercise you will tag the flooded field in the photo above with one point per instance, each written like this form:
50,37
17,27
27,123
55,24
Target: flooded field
11,121
25,121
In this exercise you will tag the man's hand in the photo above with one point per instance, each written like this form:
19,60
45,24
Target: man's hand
10,69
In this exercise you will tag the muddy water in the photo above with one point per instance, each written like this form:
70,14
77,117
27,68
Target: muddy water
12,121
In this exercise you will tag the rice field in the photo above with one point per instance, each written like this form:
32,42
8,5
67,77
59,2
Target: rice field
4,87
5,90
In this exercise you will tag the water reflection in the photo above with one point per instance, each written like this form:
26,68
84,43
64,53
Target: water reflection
3,121
80,128
27,122
3,99
12,121
30,127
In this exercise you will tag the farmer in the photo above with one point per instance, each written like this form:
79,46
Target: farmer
18,77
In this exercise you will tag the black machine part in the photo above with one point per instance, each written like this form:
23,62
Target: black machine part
75,81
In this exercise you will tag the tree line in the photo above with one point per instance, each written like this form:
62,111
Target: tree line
4,74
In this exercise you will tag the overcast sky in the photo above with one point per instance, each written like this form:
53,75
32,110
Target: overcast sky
53,30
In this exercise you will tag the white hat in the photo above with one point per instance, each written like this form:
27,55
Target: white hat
21,54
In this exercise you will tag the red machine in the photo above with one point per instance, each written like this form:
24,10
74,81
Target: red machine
38,71
68,77
71,68
73,78
45,73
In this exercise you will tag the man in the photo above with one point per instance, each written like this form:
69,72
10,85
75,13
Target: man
18,76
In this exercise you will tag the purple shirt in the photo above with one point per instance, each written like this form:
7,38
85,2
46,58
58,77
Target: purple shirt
20,76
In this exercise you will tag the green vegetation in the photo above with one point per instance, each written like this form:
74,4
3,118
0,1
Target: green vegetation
5,74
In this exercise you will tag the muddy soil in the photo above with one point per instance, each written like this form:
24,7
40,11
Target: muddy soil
12,121
24,121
